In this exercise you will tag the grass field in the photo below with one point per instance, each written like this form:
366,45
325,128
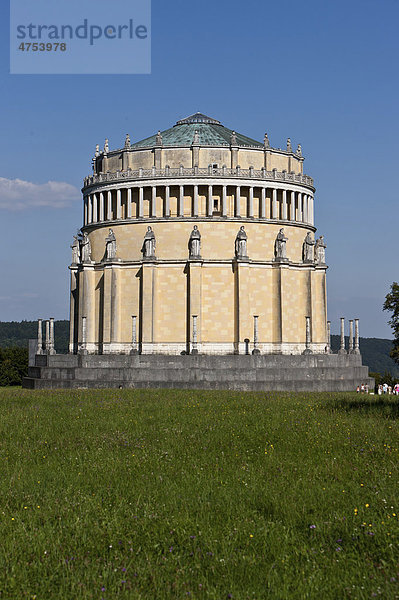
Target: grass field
182,494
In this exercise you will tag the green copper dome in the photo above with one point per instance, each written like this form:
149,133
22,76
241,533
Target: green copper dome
204,130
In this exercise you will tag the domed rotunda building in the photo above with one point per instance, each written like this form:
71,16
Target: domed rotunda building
198,240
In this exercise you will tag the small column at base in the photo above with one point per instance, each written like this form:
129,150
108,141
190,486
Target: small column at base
39,348
308,337
52,341
342,347
350,345
134,349
256,349
194,348
356,349
328,347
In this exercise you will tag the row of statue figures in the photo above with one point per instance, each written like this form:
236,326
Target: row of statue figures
313,251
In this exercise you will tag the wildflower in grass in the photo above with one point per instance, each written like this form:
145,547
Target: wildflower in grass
367,505
312,526
250,535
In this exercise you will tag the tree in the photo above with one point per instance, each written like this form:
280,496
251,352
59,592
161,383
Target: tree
13,365
391,304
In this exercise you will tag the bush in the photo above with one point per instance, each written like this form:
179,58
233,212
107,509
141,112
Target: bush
13,365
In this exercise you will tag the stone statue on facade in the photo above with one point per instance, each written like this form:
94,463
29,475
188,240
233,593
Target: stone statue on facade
289,145
266,142
196,138
106,146
241,243
233,139
280,250
75,250
85,248
158,139
307,249
299,150
148,248
320,251
110,246
127,142
97,150
194,243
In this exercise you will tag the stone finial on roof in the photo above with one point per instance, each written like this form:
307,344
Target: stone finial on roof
97,150
299,150
266,142
158,139
106,146
289,145
127,141
196,138
233,139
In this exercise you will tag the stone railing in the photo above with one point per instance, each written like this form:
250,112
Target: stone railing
168,172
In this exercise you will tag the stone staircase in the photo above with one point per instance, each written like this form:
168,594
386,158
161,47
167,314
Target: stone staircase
314,372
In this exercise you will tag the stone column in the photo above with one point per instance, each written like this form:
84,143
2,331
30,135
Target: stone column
85,211
129,203
90,209
263,204
284,211
224,201
328,337
101,216
342,347
83,349
51,341
134,349
356,349
194,348
256,349
47,345
180,208
118,204
300,217
350,347
237,210
109,205
308,342
311,210
251,202
305,208
167,201
39,348
274,204
292,207
153,211
141,201
210,201
95,209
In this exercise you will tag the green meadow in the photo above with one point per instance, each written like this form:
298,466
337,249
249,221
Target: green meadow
160,494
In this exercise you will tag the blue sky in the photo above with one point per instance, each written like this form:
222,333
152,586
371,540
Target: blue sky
322,73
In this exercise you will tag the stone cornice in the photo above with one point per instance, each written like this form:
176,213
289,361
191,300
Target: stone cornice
236,176
145,220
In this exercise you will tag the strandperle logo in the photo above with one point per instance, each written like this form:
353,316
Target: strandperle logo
85,31
82,37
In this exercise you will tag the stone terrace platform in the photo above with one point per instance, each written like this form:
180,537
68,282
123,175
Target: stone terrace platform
315,372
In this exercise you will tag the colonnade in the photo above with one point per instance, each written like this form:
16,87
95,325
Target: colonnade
198,200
